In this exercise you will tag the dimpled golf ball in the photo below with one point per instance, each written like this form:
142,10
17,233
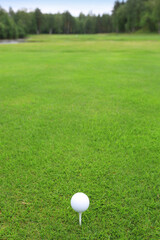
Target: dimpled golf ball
80,202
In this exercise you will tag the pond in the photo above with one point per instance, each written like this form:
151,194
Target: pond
7,41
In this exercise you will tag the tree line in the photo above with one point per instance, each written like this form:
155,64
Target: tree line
127,16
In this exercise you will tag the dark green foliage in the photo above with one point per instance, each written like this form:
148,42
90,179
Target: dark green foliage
120,18
2,31
24,20
148,22
106,23
49,23
127,16
58,23
38,20
90,25
80,23
98,24
68,23
8,28
133,15
21,32
157,13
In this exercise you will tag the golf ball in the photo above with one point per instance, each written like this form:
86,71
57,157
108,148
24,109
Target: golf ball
80,202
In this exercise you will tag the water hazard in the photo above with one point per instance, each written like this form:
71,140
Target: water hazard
12,41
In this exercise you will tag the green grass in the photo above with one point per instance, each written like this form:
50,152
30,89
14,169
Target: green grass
80,113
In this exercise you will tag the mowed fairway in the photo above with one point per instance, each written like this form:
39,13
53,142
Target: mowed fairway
80,113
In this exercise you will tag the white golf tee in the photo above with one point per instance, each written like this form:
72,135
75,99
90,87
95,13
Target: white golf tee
80,218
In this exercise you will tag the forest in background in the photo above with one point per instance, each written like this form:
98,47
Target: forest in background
127,16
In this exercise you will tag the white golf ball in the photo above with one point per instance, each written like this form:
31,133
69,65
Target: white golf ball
80,202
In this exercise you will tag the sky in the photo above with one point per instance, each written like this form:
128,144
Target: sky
54,6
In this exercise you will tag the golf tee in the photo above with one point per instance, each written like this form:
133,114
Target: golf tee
80,218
